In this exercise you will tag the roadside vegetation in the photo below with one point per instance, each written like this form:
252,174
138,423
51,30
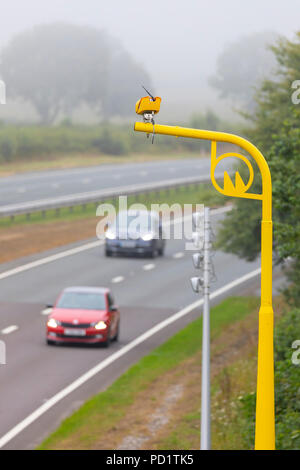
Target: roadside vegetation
29,142
27,147
275,130
287,390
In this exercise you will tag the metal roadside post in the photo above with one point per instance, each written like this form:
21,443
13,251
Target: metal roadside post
265,414
203,261
205,377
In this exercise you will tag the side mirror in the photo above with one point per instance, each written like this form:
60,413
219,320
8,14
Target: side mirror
47,310
113,308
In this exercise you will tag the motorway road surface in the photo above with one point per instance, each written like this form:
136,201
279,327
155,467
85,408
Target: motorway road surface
147,292
30,187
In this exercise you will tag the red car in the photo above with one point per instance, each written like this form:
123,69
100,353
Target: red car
83,315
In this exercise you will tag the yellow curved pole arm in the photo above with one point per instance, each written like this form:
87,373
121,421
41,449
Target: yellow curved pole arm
265,415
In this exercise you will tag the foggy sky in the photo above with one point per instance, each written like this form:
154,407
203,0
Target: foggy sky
177,41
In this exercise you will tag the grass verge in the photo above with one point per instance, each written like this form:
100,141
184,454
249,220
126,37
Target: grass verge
104,412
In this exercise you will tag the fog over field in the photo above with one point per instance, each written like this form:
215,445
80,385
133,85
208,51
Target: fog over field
177,42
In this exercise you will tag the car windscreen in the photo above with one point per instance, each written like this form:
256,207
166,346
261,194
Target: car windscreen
139,223
82,300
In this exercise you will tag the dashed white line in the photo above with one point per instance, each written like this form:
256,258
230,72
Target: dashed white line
117,279
86,180
21,190
178,255
148,267
9,329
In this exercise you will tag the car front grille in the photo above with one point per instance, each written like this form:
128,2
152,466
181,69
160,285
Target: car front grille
87,337
79,325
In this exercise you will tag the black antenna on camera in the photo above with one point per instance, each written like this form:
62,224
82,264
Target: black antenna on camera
148,93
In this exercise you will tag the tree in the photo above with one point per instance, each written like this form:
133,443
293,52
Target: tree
242,66
125,77
276,132
57,66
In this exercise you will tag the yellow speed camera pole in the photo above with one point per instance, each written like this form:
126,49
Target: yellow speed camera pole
265,415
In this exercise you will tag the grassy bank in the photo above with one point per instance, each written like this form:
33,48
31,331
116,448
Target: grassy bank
105,413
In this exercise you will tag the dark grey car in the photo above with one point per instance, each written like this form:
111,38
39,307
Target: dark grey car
135,232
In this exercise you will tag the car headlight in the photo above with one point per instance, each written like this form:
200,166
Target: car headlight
110,235
147,237
101,325
52,323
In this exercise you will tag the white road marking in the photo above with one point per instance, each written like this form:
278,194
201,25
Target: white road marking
115,356
143,173
86,180
9,329
21,190
49,259
55,185
117,279
148,267
178,255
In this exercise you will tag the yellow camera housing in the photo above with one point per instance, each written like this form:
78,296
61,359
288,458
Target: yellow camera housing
147,105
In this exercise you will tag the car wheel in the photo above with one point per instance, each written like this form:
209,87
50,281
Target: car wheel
50,342
154,253
161,252
108,253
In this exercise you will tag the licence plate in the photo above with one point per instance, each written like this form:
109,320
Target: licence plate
75,332
128,244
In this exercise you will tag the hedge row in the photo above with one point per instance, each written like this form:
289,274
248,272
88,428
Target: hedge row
287,387
23,142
